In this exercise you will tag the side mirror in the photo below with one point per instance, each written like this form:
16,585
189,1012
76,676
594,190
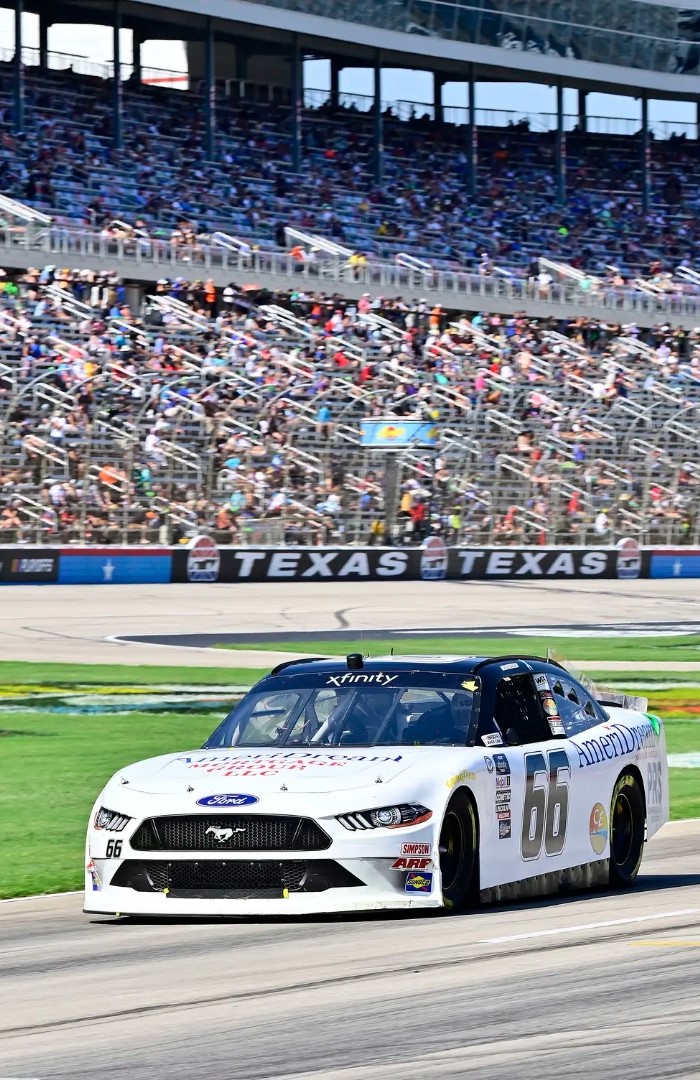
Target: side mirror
512,737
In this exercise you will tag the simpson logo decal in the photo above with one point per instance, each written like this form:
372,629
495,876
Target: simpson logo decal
349,678
492,739
415,849
412,862
419,883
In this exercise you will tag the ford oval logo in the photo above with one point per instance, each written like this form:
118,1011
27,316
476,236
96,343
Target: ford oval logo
227,800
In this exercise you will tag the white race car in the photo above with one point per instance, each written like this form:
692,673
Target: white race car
398,782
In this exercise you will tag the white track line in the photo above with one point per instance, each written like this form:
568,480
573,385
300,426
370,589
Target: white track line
588,926
40,896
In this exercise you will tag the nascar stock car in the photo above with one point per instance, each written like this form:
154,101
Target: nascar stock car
397,782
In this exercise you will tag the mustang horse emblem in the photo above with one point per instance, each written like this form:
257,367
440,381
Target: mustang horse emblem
222,835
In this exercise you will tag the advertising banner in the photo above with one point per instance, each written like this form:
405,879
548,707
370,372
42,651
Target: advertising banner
28,566
675,563
434,561
114,566
396,434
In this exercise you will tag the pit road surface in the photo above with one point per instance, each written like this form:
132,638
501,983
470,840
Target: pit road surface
596,985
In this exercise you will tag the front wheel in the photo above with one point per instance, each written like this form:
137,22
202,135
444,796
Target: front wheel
459,849
627,822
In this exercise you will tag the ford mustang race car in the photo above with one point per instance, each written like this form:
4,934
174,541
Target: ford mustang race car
397,782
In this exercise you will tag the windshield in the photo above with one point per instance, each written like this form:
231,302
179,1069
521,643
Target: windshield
351,716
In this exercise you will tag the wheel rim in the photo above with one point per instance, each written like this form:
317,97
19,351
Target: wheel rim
452,844
622,829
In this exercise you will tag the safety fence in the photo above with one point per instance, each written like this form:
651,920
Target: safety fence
201,560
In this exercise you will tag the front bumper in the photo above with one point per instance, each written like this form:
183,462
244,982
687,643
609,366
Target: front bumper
179,887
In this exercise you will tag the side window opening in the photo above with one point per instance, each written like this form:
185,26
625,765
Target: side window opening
518,707
577,711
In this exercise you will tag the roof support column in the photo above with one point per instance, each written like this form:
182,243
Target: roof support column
297,103
438,83
209,91
646,157
582,113
378,121
18,69
137,59
472,136
43,40
117,104
561,147
336,68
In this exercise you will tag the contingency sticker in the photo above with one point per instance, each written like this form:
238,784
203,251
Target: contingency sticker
494,738
419,883
502,804
412,862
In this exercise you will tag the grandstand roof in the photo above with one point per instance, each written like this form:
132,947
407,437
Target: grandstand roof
271,21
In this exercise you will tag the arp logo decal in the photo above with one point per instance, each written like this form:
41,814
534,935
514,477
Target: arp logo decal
598,828
419,883
412,862
227,800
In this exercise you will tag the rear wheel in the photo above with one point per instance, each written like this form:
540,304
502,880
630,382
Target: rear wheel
627,820
459,849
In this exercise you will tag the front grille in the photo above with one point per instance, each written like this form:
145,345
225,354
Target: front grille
249,832
211,879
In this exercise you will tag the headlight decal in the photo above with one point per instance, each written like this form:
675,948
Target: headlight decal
110,820
385,817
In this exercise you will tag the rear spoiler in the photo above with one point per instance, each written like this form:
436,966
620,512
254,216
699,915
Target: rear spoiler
604,695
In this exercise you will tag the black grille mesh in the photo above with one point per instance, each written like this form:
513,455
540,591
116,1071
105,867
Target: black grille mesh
250,832
234,878
179,877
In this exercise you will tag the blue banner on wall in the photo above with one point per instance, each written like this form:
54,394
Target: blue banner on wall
114,567
676,564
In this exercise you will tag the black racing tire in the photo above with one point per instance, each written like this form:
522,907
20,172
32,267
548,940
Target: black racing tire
459,853
627,830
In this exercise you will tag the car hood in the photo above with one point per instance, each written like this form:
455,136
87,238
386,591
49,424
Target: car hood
210,772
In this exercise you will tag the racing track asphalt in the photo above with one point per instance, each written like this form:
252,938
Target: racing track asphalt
69,623
594,985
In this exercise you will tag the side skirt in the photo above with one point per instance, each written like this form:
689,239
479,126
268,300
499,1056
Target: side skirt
585,876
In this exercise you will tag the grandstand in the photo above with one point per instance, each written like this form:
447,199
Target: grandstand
253,282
